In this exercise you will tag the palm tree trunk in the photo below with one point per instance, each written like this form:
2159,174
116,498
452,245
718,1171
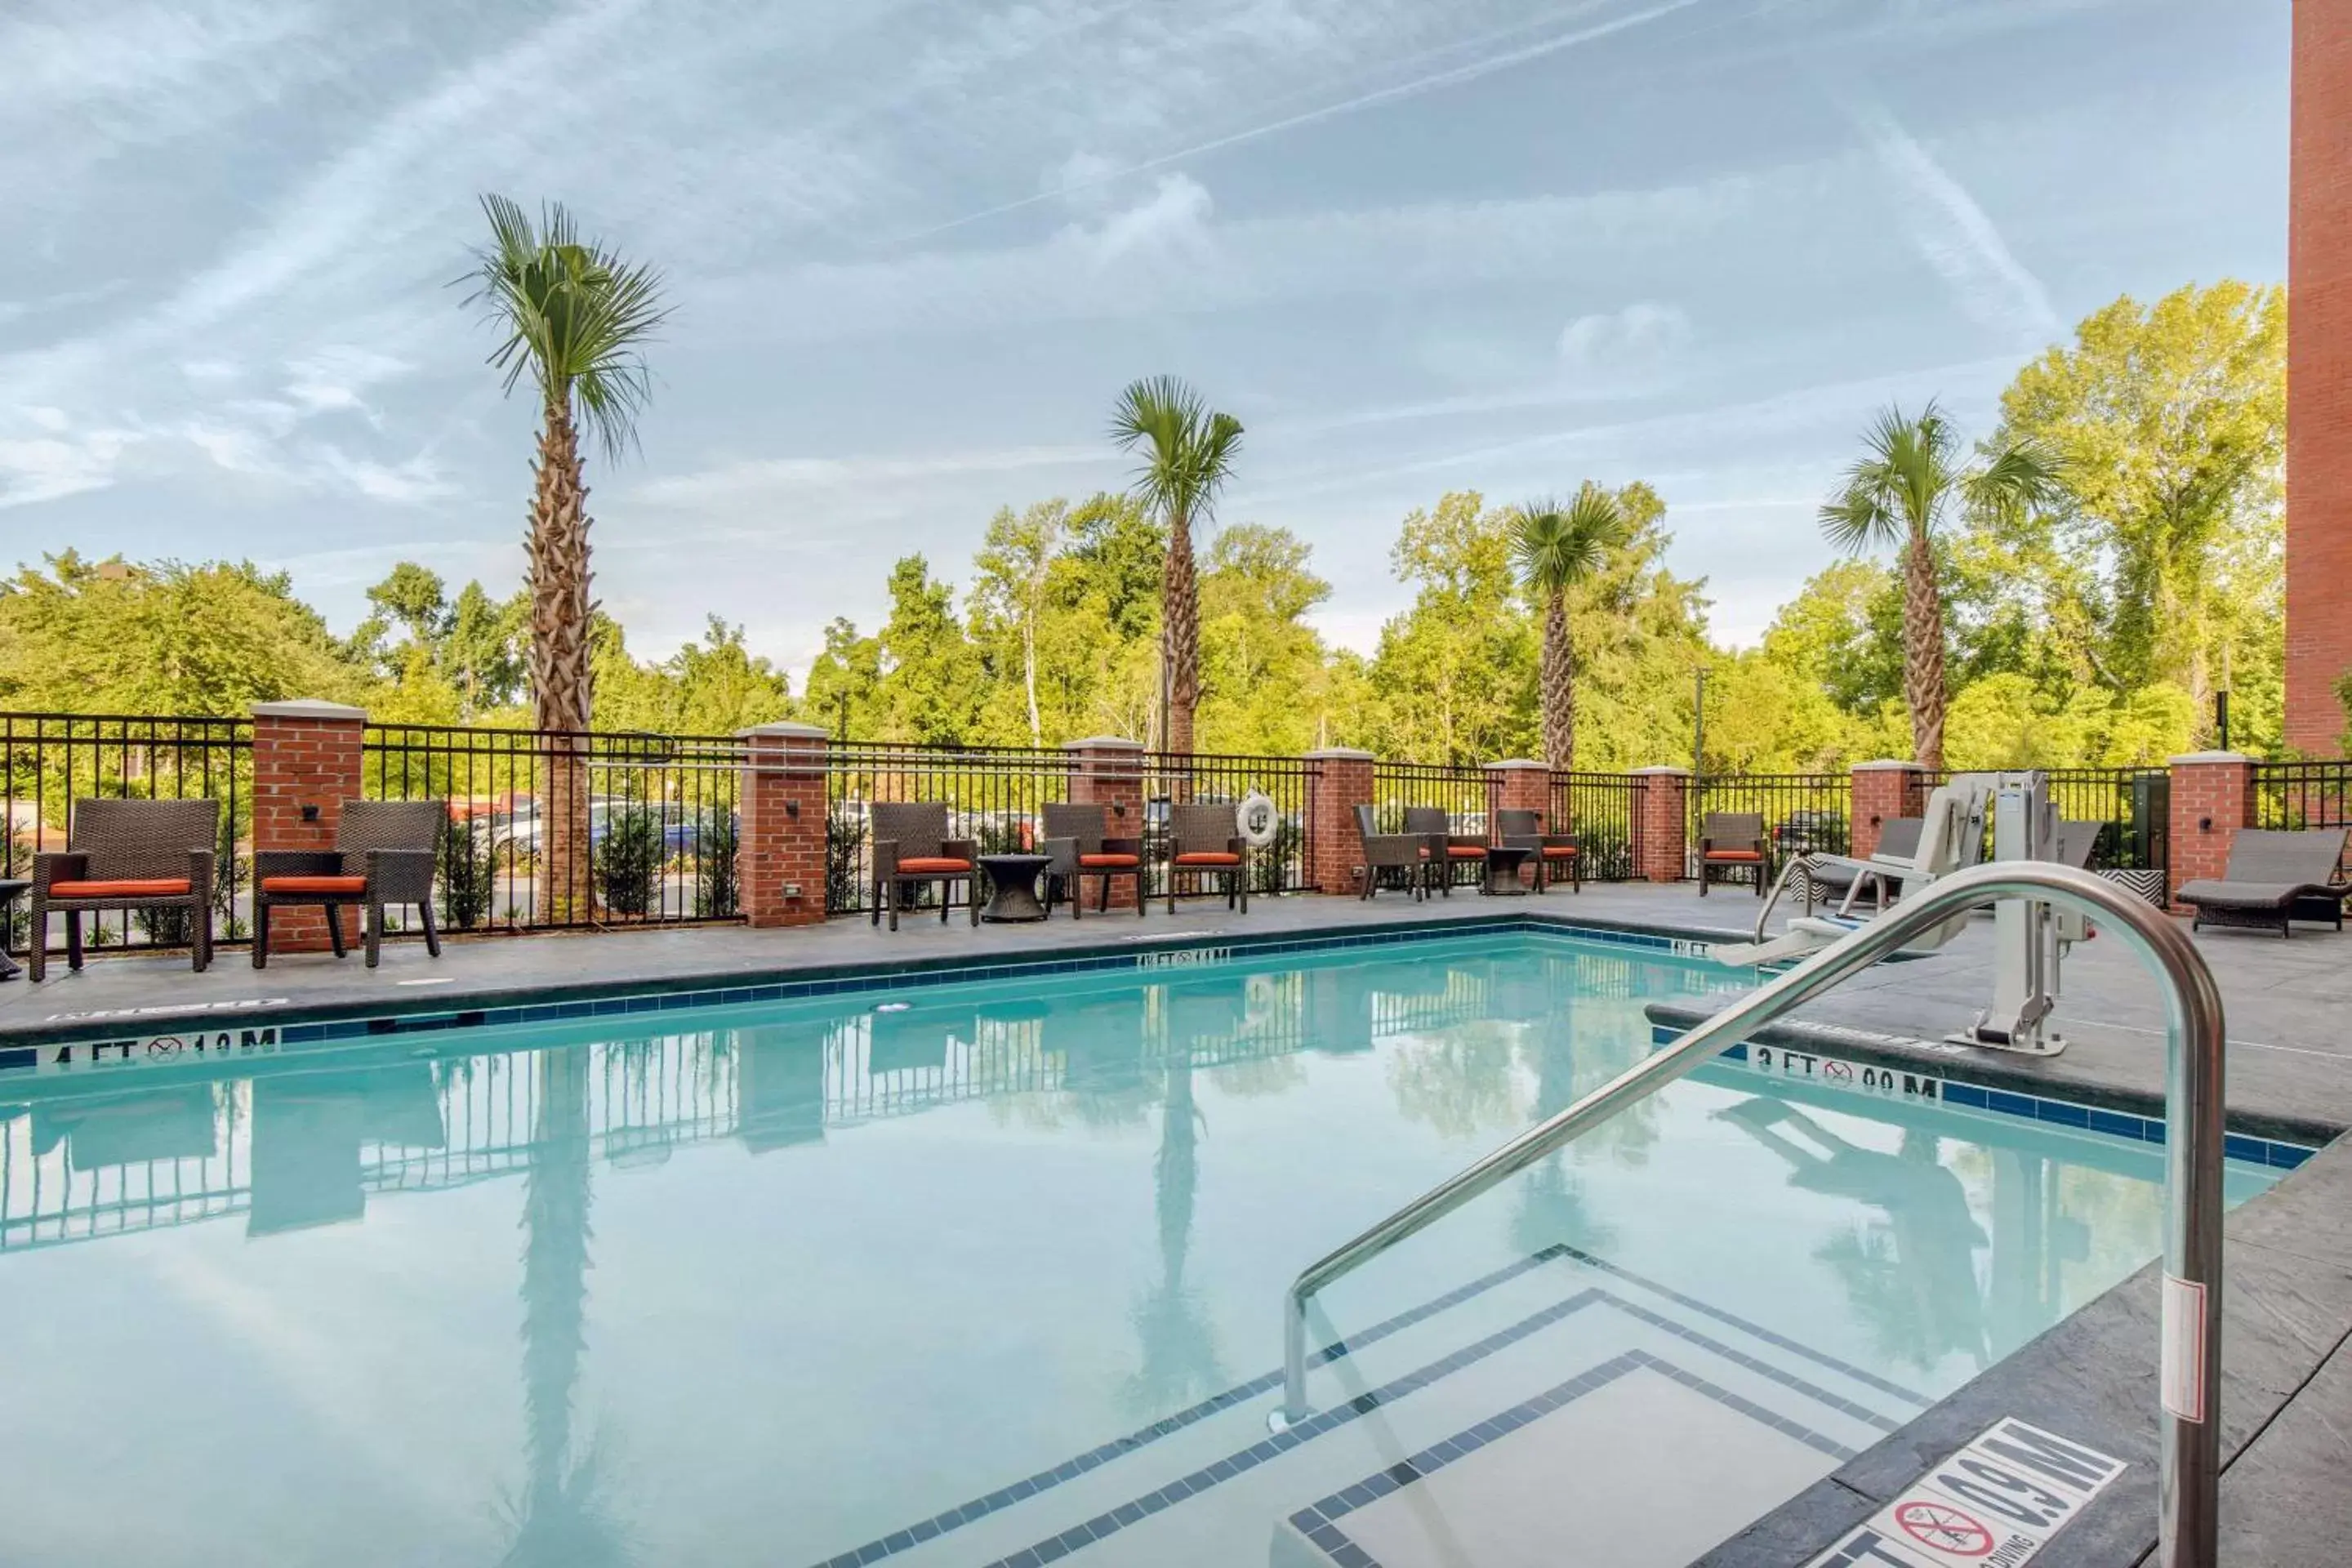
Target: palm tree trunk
1923,652
562,678
1558,682
1180,635
555,1295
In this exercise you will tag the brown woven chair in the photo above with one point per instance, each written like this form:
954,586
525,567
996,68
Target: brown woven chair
1517,828
911,848
1447,849
1733,841
382,855
1406,852
1203,842
1075,839
127,854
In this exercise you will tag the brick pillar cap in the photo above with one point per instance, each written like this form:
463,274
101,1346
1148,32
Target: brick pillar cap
2196,757
1520,763
1886,764
311,708
786,731
1103,743
1663,771
1337,755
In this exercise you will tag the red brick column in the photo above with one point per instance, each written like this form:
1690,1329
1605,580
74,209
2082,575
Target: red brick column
1343,783
780,855
2319,377
1520,783
306,763
1662,817
1880,791
2213,797
1108,770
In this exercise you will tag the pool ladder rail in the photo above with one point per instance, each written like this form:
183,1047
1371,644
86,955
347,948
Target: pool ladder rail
2190,1443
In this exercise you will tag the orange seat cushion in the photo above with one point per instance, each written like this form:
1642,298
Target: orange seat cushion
315,887
1466,851
1209,857
123,888
1559,851
1742,854
1110,862
937,865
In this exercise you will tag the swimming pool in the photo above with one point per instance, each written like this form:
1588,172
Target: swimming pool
991,1273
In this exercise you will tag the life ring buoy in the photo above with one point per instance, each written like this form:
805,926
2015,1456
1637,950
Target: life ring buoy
1257,820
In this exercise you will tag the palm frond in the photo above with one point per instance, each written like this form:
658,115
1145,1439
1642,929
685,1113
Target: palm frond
1557,546
1187,450
2014,478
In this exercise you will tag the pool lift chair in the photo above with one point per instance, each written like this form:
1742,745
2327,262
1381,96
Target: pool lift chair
2030,937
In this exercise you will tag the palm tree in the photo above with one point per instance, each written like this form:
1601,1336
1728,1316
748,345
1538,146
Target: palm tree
1558,547
1901,494
1188,450
575,317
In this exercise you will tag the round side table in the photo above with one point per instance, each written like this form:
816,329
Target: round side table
1012,887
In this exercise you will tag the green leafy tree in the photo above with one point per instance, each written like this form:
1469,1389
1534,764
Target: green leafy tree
1016,567
930,689
1557,547
1265,677
1188,455
1906,489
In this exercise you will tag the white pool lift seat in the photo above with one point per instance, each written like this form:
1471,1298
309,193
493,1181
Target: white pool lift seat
1951,837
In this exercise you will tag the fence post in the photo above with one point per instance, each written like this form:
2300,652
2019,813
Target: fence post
780,855
1108,770
306,763
1343,782
1518,783
1663,816
1881,791
2213,797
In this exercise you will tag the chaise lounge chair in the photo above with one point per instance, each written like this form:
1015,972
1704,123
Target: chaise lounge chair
911,848
382,855
127,854
2269,874
1077,847
1832,878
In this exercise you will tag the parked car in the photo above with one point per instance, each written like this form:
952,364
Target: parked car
518,833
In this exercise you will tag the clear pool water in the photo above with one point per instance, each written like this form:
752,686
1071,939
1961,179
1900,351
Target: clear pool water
991,1274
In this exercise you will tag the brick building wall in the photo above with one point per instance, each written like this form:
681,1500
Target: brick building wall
1342,781
2213,797
2319,377
781,842
1663,823
1881,791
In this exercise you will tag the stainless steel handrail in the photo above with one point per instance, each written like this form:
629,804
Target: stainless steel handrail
2190,1457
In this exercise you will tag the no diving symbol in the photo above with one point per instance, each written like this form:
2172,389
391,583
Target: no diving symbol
1836,1072
1947,1530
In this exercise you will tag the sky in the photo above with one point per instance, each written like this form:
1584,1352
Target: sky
916,248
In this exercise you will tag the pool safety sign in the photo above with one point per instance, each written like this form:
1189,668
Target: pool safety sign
1836,1072
191,1044
1994,1504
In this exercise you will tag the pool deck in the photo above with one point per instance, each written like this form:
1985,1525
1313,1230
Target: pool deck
2286,1407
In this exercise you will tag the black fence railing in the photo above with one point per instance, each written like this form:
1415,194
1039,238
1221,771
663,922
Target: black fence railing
551,830
1604,810
48,761
1463,789
2132,806
1804,814
1284,866
2292,795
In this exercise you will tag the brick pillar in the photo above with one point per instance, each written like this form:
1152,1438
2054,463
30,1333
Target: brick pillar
780,855
1880,791
1520,783
2319,377
306,763
1108,770
1663,821
2213,797
1343,782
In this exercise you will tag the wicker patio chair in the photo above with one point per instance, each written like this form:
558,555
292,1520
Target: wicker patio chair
1733,841
1406,852
1203,841
1519,829
1076,841
2271,873
383,856
911,847
127,854
1447,849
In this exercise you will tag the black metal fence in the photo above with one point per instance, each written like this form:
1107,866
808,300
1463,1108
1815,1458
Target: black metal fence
1604,810
48,761
2132,806
1804,814
2294,796
1463,789
550,830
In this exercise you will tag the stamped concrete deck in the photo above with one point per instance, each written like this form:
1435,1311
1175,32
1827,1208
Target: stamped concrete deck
2287,1403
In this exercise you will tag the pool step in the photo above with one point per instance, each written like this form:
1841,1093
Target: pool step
1559,1396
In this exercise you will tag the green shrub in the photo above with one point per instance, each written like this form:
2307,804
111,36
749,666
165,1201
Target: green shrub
629,860
469,874
717,893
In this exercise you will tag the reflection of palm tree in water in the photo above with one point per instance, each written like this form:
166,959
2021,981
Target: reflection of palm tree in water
561,1521
1920,1294
1551,1207
1180,1353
